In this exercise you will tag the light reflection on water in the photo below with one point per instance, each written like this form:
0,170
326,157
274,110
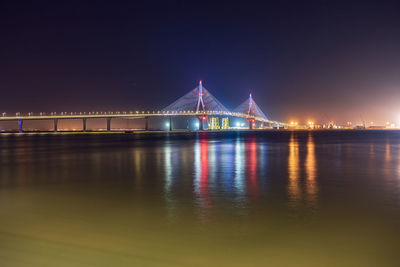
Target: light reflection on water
202,200
302,190
311,173
202,176
239,160
294,188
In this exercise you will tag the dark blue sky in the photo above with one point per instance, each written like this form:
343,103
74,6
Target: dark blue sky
301,59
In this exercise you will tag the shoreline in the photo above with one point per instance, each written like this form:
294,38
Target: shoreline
184,131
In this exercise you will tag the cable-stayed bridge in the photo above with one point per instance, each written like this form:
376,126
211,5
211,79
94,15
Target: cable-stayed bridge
198,103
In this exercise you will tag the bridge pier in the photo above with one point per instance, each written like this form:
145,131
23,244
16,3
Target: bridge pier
84,125
55,125
170,123
146,126
250,124
20,128
108,124
201,124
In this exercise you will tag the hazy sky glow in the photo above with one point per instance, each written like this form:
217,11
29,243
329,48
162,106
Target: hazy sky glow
320,60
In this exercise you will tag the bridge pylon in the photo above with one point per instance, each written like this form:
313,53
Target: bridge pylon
200,102
253,111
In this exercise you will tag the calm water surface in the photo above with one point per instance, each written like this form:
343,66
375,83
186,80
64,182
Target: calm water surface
206,199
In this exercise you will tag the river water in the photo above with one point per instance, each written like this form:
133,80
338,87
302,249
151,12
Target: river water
317,198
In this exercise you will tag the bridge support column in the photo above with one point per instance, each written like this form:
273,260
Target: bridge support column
84,125
170,123
146,126
20,128
201,124
250,124
108,124
55,125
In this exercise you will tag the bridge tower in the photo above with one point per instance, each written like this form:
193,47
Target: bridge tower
200,99
250,112
200,102
200,105
250,105
253,111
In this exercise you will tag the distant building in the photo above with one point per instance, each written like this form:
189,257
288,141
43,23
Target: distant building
359,127
376,127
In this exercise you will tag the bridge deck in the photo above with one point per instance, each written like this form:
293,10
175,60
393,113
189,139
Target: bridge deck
132,115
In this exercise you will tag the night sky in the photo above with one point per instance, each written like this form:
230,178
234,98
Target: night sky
320,60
